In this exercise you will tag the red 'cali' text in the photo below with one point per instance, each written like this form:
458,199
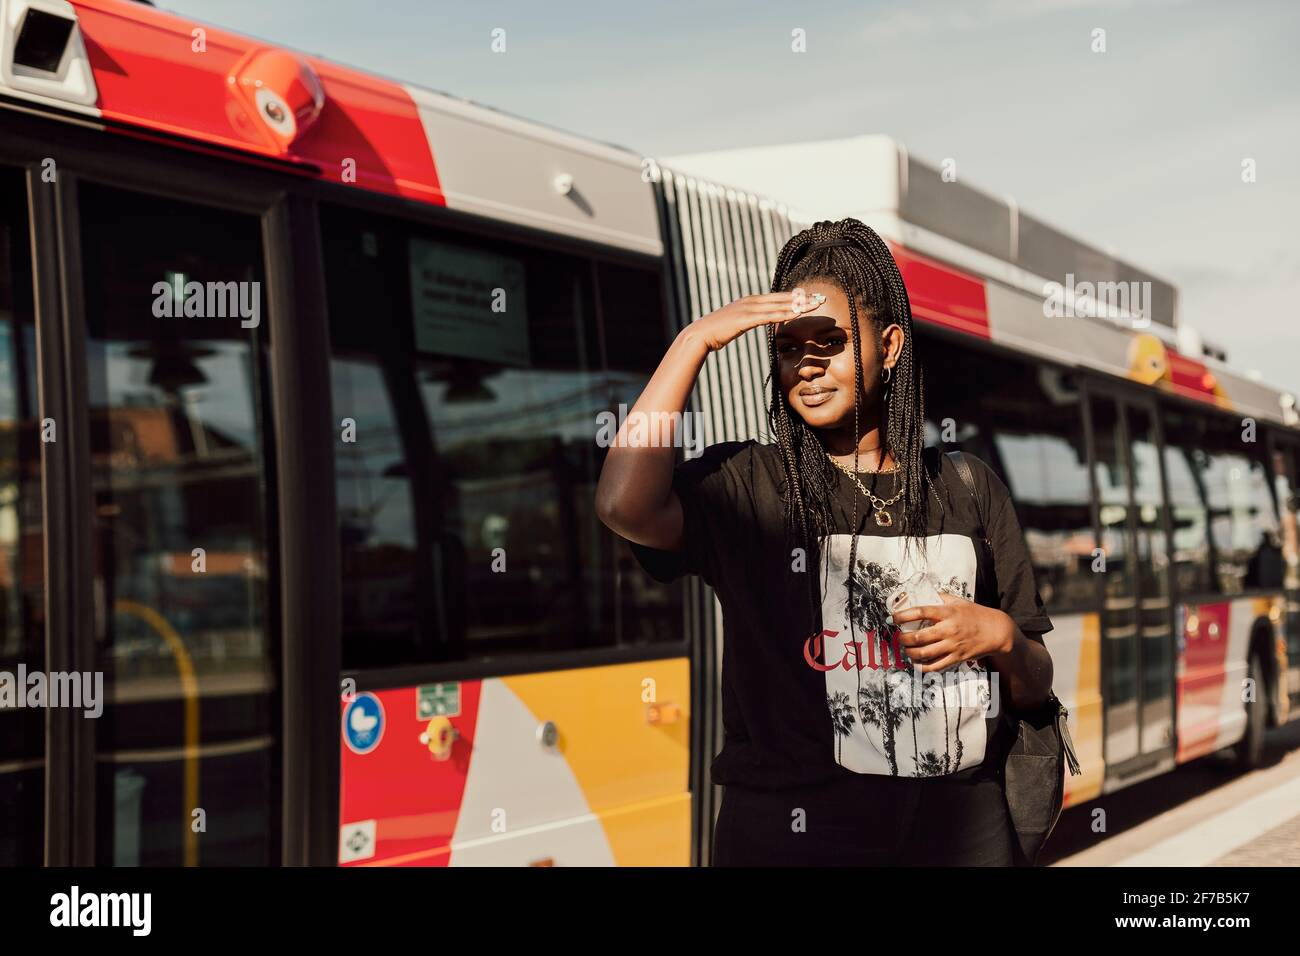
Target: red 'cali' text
889,648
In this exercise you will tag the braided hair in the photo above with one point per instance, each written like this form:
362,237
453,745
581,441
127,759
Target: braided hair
850,255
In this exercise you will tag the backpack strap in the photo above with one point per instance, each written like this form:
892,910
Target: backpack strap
968,479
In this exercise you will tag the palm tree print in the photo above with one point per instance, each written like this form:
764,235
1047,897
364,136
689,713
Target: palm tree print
958,588
930,765
873,690
943,696
918,704
865,607
880,706
842,719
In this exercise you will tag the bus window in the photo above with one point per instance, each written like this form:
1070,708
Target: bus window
175,354
1111,474
22,590
1185,465
1026,422
635,334
1219,488
1243,516
467,379
635,327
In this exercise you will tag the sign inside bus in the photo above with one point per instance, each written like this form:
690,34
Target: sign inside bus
468,303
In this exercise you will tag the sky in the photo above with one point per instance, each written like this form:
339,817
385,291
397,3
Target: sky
1138,149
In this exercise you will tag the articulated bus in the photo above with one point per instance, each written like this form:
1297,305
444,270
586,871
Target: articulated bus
320,516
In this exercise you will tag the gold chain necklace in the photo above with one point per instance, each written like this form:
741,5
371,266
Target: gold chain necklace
882,516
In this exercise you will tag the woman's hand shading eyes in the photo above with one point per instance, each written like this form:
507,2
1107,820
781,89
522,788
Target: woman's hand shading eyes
733,320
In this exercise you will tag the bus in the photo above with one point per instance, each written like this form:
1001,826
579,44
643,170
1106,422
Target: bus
302,371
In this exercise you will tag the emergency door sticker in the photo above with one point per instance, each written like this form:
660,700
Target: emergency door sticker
437,700
363,723
356,841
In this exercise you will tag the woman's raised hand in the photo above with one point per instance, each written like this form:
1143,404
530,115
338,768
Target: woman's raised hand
736,318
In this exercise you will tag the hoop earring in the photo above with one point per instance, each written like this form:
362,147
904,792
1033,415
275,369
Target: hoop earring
889,371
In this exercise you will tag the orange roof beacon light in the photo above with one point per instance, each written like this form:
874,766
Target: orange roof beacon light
280,94
42,54
1148,361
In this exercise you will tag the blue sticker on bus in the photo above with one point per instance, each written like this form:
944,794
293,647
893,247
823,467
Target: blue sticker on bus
363,723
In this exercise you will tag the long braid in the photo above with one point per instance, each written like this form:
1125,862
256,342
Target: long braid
807,511
853,524
868,274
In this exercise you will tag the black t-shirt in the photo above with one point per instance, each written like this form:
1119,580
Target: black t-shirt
798,708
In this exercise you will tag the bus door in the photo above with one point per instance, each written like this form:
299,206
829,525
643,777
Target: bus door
145,579
1137,614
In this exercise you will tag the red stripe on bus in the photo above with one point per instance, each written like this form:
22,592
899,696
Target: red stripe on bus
414,798
1200,680
942,295
150,74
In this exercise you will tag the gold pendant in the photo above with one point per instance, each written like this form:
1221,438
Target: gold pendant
883,519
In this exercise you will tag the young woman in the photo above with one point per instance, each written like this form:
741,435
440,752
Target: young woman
847,740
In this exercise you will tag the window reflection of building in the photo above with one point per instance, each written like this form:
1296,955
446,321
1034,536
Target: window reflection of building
158,469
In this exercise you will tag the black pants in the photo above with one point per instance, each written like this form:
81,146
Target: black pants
959,819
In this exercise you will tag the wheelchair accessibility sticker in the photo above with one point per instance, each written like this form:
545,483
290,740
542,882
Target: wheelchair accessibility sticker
363,723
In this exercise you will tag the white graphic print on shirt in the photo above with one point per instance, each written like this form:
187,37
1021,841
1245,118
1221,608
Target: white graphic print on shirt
888,717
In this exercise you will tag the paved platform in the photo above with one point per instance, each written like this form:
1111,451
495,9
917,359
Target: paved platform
1280,846
1198,815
